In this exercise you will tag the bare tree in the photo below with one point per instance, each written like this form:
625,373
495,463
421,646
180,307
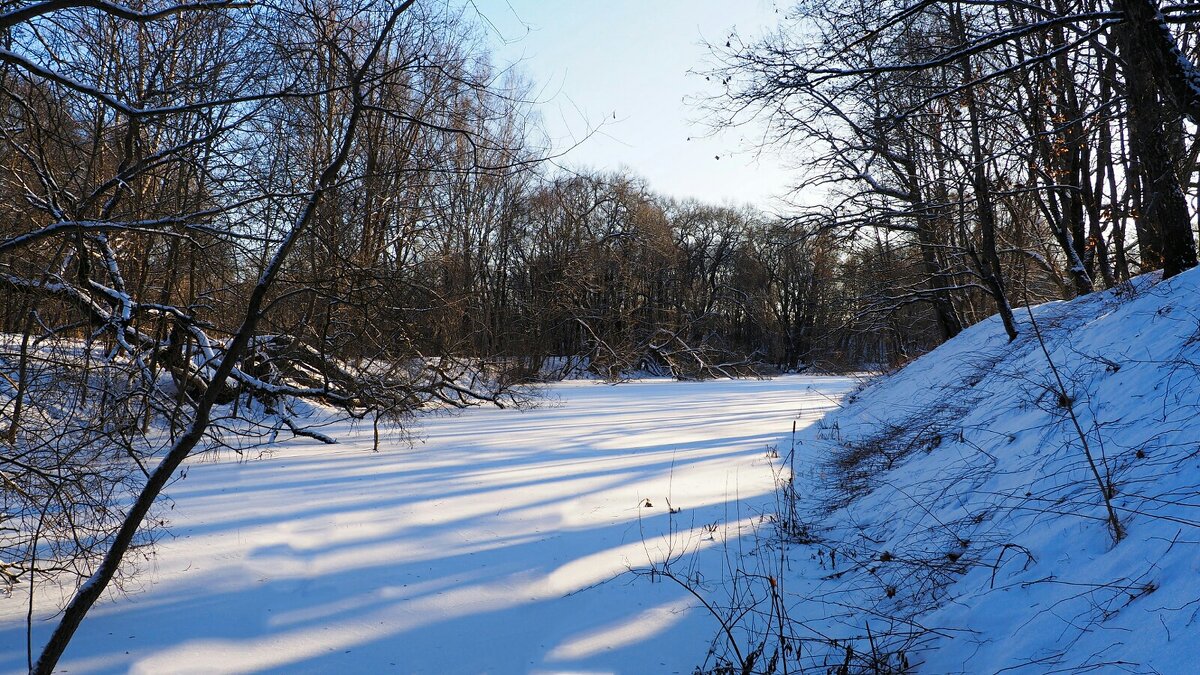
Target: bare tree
156,217
941,123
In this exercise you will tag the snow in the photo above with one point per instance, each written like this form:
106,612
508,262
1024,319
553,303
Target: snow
952,524
973,505
502,541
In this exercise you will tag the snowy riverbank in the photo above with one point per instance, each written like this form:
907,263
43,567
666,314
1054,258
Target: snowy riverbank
479,549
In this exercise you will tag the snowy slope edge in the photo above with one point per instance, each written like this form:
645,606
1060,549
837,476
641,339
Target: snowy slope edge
958,526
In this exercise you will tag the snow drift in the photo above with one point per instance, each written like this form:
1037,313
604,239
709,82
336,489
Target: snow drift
957,524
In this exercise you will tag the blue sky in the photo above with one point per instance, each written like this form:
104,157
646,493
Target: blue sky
593,60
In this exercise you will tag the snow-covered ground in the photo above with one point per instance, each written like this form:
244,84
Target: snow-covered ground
969,528
500,542
952,519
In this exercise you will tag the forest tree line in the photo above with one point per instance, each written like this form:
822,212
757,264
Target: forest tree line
994,160
1003,153
984,150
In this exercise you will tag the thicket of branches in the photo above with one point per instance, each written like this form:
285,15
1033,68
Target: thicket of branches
984,150
206,212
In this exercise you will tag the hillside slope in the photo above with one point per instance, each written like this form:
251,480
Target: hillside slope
957,525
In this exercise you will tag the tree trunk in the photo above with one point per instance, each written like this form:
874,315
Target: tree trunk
1146,32
987,258
1163,222
948,321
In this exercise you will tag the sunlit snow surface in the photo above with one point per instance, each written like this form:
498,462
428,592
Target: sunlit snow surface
979,529
499,542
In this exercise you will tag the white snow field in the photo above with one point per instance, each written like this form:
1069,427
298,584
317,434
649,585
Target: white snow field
500,542
969,528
